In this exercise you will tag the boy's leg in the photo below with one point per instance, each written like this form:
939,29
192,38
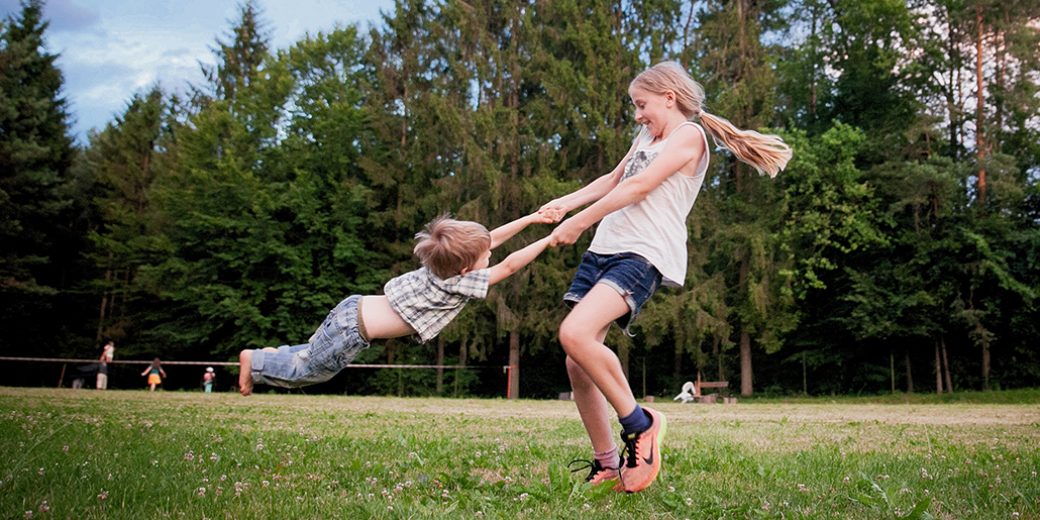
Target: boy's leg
245,364
245,372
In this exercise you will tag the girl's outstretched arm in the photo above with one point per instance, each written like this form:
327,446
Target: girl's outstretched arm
594,190
685,146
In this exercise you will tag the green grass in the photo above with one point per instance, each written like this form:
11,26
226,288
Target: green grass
1016,396
130,454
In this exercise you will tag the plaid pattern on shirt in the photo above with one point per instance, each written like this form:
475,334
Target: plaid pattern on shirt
428,303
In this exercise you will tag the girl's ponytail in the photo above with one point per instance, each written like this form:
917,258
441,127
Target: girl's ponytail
767,153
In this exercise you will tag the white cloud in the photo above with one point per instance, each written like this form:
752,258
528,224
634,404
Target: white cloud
112,49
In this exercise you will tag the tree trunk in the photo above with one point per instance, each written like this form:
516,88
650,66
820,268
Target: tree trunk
980,100
126,293
514,364
718,357
909,373
946,364
746,388
814,61
953,108
938,370
892,369
1001,65
805,376
985,366
677,370
463,357
440,368
104,305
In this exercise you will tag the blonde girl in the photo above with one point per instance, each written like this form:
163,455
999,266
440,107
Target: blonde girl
640,244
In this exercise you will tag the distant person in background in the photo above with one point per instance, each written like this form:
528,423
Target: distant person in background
107,354
208,378
155,374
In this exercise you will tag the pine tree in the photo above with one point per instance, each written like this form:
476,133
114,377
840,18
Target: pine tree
240,59
35,155
742,89
220,204
125,161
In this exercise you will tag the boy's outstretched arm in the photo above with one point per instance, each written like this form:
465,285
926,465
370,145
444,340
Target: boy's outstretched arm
506,231
517,261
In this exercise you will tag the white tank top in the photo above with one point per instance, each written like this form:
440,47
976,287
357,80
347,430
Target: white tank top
655,227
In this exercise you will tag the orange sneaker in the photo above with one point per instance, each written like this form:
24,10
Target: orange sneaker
597,473
642,454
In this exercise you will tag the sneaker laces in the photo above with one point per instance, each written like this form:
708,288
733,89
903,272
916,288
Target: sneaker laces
593,466
628,451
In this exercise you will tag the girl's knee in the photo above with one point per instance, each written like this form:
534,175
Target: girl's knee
571,335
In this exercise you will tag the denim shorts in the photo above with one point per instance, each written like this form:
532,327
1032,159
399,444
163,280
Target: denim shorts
332,347
631,275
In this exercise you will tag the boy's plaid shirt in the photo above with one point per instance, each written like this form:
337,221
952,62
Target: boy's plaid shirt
428,303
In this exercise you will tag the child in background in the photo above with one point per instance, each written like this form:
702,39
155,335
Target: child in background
107,354
639,245
455,257
208,378
155,374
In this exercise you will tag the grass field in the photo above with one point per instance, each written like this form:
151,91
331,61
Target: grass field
131,454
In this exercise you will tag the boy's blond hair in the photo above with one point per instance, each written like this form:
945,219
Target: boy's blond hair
447,246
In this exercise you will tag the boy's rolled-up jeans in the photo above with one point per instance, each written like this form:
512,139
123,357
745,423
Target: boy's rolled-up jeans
332,347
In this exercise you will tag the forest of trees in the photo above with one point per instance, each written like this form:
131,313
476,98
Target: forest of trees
899,251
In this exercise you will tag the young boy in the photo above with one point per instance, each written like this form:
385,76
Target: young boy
455,256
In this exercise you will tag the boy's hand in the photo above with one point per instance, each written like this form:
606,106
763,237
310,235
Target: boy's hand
549,215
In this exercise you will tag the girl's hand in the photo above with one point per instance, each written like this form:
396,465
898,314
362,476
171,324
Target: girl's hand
547,215
555,205
566,233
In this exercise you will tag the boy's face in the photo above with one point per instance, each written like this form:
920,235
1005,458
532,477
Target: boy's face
482,262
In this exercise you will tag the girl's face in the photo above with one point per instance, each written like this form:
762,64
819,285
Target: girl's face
653,110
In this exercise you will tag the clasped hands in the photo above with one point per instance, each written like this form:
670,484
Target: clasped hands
566,233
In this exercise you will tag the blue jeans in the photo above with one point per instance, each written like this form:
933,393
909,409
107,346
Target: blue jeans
631,275
332,347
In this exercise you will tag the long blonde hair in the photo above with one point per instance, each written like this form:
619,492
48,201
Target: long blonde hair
767,153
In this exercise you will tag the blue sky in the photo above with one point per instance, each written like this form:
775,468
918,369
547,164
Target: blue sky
111,49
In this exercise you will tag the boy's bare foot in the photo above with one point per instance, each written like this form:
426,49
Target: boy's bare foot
245,372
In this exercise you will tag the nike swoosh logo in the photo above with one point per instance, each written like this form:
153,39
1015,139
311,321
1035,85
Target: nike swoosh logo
650,460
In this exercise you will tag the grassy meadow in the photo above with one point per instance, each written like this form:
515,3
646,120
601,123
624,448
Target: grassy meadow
130,454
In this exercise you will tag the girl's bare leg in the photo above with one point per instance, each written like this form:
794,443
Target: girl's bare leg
594,369
592,407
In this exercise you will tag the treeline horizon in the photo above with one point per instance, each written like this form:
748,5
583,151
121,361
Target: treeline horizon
899,251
